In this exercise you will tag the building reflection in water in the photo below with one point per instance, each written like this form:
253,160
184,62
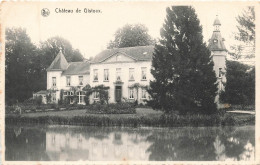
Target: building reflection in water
115,146
106,143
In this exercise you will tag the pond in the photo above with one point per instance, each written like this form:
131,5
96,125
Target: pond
71,143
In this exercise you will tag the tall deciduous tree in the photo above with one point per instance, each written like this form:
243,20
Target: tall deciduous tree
19,65
130,36
51,47
182,67
246,35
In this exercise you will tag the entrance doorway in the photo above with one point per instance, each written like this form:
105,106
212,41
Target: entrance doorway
118,93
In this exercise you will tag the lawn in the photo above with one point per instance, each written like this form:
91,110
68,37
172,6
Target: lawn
142,117
84,112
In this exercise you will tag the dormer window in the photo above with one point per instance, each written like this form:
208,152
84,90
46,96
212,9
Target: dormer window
215,40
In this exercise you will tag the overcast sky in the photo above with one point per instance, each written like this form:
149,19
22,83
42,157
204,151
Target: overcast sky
90,33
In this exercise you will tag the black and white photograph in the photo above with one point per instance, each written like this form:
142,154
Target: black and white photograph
120,82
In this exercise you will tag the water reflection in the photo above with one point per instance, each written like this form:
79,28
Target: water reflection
107,143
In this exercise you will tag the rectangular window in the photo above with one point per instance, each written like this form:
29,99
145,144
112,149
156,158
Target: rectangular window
118,74
54,97
143,93
54,81
106,75
220,72
131,93
81,97
96,95
131,74
68,80
95,74
80,80
144,73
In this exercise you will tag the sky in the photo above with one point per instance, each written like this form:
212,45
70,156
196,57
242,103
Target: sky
91,32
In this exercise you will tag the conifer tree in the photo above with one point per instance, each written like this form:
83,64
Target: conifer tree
182,66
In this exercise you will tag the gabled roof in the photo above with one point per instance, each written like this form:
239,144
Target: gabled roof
138,53
77,68
216,43
59,63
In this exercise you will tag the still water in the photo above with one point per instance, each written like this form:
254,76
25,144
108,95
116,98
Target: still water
54,143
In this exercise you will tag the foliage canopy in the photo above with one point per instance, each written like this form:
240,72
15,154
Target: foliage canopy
240,86
130,36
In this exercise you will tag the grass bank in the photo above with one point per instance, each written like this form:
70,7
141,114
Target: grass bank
141,118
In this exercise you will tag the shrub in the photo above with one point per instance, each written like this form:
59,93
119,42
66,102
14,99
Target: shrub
86,99
66,101
38,100
118,108
29,101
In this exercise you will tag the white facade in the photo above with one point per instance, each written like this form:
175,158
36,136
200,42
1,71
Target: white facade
62,83
127,76
130,73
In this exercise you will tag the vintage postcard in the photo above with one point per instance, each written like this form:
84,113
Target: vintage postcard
120,82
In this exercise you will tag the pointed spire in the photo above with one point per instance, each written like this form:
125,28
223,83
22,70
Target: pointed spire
216,42
216,22
59,63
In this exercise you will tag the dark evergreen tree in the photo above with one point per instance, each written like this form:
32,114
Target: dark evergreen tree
182,67
240,86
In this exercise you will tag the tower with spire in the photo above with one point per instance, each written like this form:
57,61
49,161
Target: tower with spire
54,75
218,53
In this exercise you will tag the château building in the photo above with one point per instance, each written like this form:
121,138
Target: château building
126,71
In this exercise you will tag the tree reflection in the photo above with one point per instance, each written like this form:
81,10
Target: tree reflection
200,144
25,144
180,145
